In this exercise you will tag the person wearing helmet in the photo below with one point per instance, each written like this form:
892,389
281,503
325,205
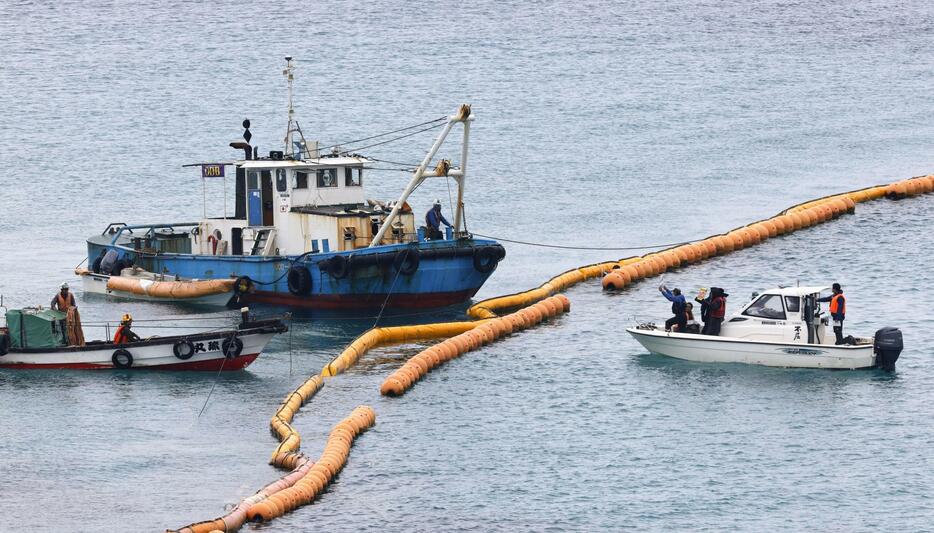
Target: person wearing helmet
433,221
63,300
123,334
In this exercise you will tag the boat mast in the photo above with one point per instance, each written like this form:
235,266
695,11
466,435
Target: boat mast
443,169
293,126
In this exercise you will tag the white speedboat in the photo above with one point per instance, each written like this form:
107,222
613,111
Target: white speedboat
783,327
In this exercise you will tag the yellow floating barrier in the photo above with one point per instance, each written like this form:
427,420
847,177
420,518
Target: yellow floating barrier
423,362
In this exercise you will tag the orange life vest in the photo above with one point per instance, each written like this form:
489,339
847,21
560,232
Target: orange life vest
120,337
64,304
838,304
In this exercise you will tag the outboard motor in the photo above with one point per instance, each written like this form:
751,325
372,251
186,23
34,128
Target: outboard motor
887,346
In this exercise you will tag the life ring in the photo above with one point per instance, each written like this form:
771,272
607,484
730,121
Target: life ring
4,344
338,266
184,349
122,358
299,280
485,259
243,285
406,261
232,347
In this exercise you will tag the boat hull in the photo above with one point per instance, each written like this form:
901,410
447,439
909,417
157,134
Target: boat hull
708,349
154,354
446,274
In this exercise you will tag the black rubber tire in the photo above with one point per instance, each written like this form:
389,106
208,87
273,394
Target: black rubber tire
299,280
232,347
406,261
184,349
4,344
243,285
339,266
485,259
122,358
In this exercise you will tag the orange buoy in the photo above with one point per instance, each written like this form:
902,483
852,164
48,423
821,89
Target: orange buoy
930,180
737,239
760,230
750,237
260,512
613,281
723,243
896,191
711,246
671,259
632,272
781,224
685,254
419,366
771,228
565,302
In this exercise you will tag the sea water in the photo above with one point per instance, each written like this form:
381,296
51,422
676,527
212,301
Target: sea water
598,124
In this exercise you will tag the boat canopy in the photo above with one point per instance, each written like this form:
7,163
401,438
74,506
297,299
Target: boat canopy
797,291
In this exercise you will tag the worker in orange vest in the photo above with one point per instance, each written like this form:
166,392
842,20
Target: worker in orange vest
63,300
123,334
837,311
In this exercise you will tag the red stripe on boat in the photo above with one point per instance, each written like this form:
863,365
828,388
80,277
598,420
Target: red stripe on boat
237,363
361,301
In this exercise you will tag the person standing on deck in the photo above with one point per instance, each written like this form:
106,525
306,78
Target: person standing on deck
678,307
837,311
433,221
716,310
63,300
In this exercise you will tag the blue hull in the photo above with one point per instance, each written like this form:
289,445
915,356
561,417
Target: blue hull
446,272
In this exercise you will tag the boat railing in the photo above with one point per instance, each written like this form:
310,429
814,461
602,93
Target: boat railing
118,228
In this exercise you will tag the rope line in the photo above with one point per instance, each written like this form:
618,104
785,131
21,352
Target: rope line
394,139
562,247
400,130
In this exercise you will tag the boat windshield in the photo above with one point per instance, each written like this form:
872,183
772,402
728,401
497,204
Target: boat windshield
767,306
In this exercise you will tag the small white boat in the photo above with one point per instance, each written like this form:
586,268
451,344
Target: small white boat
137,284
783,327
35,338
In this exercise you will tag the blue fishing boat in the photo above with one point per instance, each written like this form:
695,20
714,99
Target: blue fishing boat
303,232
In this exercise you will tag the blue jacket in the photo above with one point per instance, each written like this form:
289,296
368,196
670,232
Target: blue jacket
678,304
434,219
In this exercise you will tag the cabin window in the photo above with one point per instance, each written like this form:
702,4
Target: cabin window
767,306
353,177
281,184
327,177
301,180
252,180
793,304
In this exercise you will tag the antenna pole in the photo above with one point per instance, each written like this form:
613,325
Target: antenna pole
289,73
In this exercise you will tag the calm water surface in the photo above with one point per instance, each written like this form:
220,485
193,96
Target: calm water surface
598,124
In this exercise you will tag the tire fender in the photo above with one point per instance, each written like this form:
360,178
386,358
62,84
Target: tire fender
122,358
184,349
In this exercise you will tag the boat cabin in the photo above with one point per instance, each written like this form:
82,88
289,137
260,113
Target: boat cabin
789,314
290,207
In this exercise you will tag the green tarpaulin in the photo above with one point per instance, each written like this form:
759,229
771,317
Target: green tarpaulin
36,328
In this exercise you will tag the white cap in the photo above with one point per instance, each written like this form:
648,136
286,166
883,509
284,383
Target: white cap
64,285
437,202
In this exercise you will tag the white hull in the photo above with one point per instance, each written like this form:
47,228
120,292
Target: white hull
97,284
152,354
708,349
